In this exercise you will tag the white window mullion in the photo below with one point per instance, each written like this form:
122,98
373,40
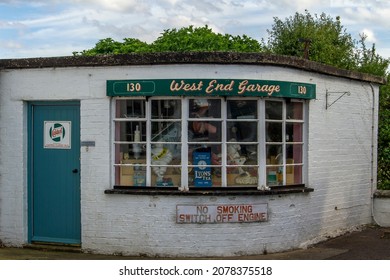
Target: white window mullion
261,149
224,140
148,142
284,147
184,142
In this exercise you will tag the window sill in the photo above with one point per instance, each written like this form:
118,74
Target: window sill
213,191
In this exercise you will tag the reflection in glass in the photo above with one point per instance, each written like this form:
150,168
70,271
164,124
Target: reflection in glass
242,131
166,109
242,109
204,108
209,131
131,131
130,108
166,131
294,111
294,153
274,154
274,131
273,110
294,132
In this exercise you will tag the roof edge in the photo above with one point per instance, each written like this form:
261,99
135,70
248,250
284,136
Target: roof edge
187,58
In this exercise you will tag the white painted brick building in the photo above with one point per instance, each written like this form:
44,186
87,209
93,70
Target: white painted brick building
333,193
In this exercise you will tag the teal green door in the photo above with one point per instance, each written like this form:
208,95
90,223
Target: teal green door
54,172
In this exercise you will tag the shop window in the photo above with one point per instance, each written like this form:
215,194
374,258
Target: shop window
208,142
284,142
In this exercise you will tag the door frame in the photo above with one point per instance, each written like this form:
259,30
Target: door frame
30,150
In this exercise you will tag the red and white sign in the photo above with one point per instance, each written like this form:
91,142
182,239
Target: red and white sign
222,213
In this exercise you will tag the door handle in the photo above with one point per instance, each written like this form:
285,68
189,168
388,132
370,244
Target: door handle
75,170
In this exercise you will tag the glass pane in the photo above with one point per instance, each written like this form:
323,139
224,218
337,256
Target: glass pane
130,153
202,176
166,109
294,111
167,154
166,131
273,110
242,109
163,176
294,153
274,154
204,154
274,176
199,131
274,132
242,131
294,132
132,131
294,174
130,108
205,108
130,175
247,176
238,154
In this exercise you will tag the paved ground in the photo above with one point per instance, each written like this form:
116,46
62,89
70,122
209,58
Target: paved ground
371,243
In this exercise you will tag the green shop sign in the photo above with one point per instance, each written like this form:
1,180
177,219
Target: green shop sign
209,87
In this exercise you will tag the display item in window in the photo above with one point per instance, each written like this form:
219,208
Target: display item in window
137,145
161,157
203,177
201,107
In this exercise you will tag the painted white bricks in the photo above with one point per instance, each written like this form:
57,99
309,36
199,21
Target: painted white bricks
339,167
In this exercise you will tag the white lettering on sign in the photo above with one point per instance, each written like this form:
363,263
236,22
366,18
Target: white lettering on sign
224,213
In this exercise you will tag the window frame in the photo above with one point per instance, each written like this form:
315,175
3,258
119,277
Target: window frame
261,140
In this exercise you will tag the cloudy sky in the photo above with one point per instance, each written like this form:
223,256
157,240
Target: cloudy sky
41,28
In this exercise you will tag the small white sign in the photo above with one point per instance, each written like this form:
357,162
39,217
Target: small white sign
222,213
57,135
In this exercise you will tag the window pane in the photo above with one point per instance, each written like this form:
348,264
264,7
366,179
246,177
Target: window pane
131,175
294,132
294,111
294,153
202,176
130,153
245,176
274,132
166,154
166,131
163,176
205,108
130,108
131,131
199,131
274,176
294,174
238,154
201,154
273,110
274,154
242,109
166,109
242,131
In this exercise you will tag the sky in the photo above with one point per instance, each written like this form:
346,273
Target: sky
51,28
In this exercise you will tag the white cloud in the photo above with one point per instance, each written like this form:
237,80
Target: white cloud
370,36
60,26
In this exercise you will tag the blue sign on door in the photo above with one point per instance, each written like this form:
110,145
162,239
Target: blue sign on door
54,172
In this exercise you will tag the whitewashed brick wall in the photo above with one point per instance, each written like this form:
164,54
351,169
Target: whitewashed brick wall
339,161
